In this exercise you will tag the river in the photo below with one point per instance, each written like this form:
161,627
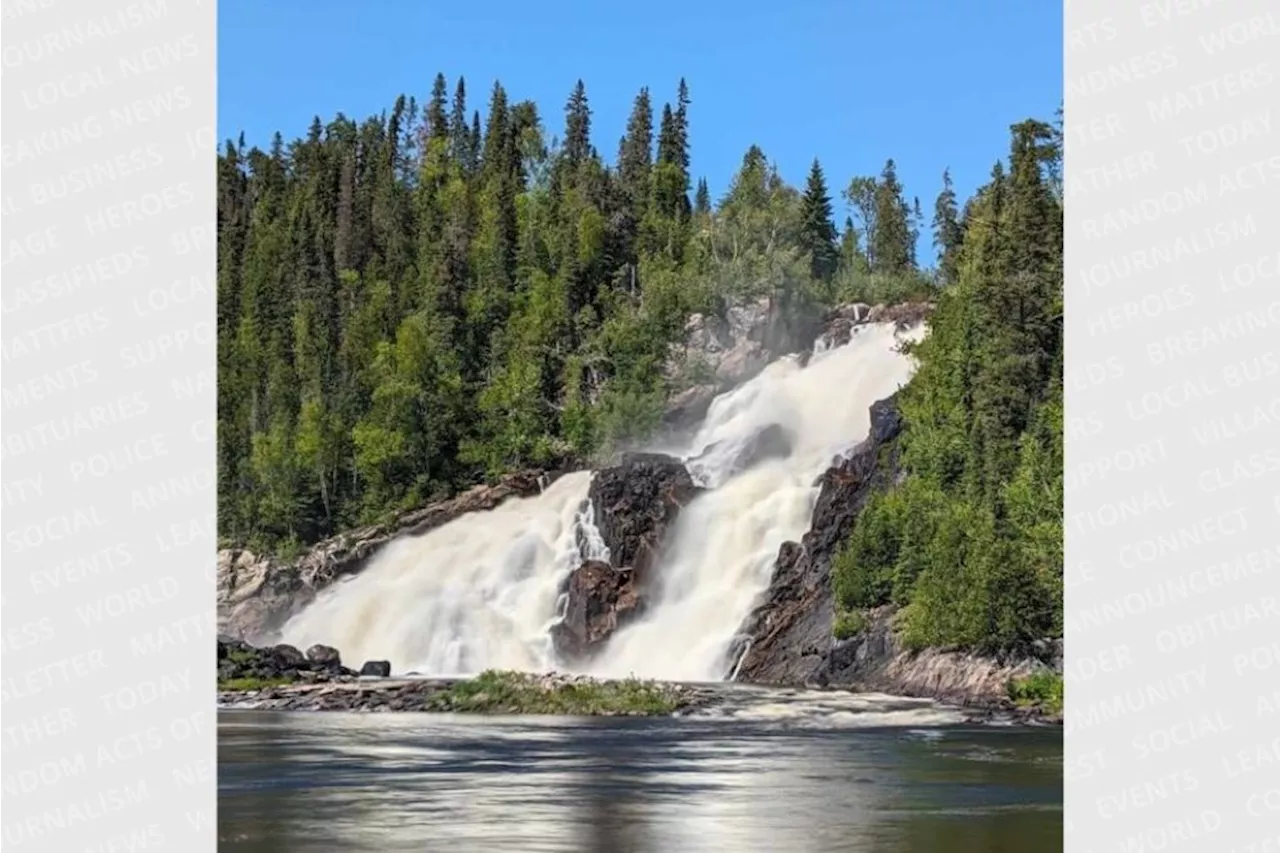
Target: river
794,772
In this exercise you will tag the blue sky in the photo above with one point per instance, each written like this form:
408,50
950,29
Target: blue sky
931,83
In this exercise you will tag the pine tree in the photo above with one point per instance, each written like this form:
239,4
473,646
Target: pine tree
817,231
851,254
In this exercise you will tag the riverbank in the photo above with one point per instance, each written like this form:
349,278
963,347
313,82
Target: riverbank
281,678
488,693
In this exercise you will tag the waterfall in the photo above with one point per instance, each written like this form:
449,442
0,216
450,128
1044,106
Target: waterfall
484,590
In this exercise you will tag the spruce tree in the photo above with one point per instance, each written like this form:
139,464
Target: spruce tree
437,121
947,235
891,236
635,155
702,199
577,127
459,137
817,231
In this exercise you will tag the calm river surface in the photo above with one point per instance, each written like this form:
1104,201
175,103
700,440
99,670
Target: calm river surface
798,775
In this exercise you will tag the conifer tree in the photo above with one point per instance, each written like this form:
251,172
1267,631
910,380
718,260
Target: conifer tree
635,155
817,231
702,199
577,129
437,121
891,236
459,137
947,235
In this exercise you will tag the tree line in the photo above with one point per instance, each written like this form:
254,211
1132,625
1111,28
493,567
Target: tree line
971,542
411,303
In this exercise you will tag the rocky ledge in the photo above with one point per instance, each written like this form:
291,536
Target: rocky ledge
257,594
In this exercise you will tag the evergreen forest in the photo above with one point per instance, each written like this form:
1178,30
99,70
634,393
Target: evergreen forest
421,300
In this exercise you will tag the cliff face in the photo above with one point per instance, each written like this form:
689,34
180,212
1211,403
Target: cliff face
789,636
789,633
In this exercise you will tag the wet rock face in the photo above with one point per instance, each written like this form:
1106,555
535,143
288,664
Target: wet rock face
635,502
787,636
771,442
601,599
257,595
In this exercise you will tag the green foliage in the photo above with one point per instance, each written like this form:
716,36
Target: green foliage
1043,690
848,623
494,692
421,300
970,544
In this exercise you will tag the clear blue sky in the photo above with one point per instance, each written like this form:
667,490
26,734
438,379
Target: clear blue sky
931,83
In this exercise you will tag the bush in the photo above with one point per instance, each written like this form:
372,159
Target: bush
848,624
1043,690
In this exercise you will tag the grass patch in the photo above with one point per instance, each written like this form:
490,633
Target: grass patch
1042,690
251,683
495,692
849,623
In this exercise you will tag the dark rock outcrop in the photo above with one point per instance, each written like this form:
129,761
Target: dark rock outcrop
256,594
378,668
787,637
635,501
601,599
239,660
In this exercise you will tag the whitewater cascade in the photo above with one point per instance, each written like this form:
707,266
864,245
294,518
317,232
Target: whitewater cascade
483,591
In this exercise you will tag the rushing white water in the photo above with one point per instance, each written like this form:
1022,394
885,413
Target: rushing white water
483,590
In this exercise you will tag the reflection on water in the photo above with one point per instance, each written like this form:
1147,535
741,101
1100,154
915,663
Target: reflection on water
335,782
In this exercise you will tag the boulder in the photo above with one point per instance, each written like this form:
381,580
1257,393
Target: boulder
240,660
378,668
289,654
687,408
322,655
601,599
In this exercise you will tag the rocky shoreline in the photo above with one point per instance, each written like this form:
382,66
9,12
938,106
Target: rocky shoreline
490,693
282,678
